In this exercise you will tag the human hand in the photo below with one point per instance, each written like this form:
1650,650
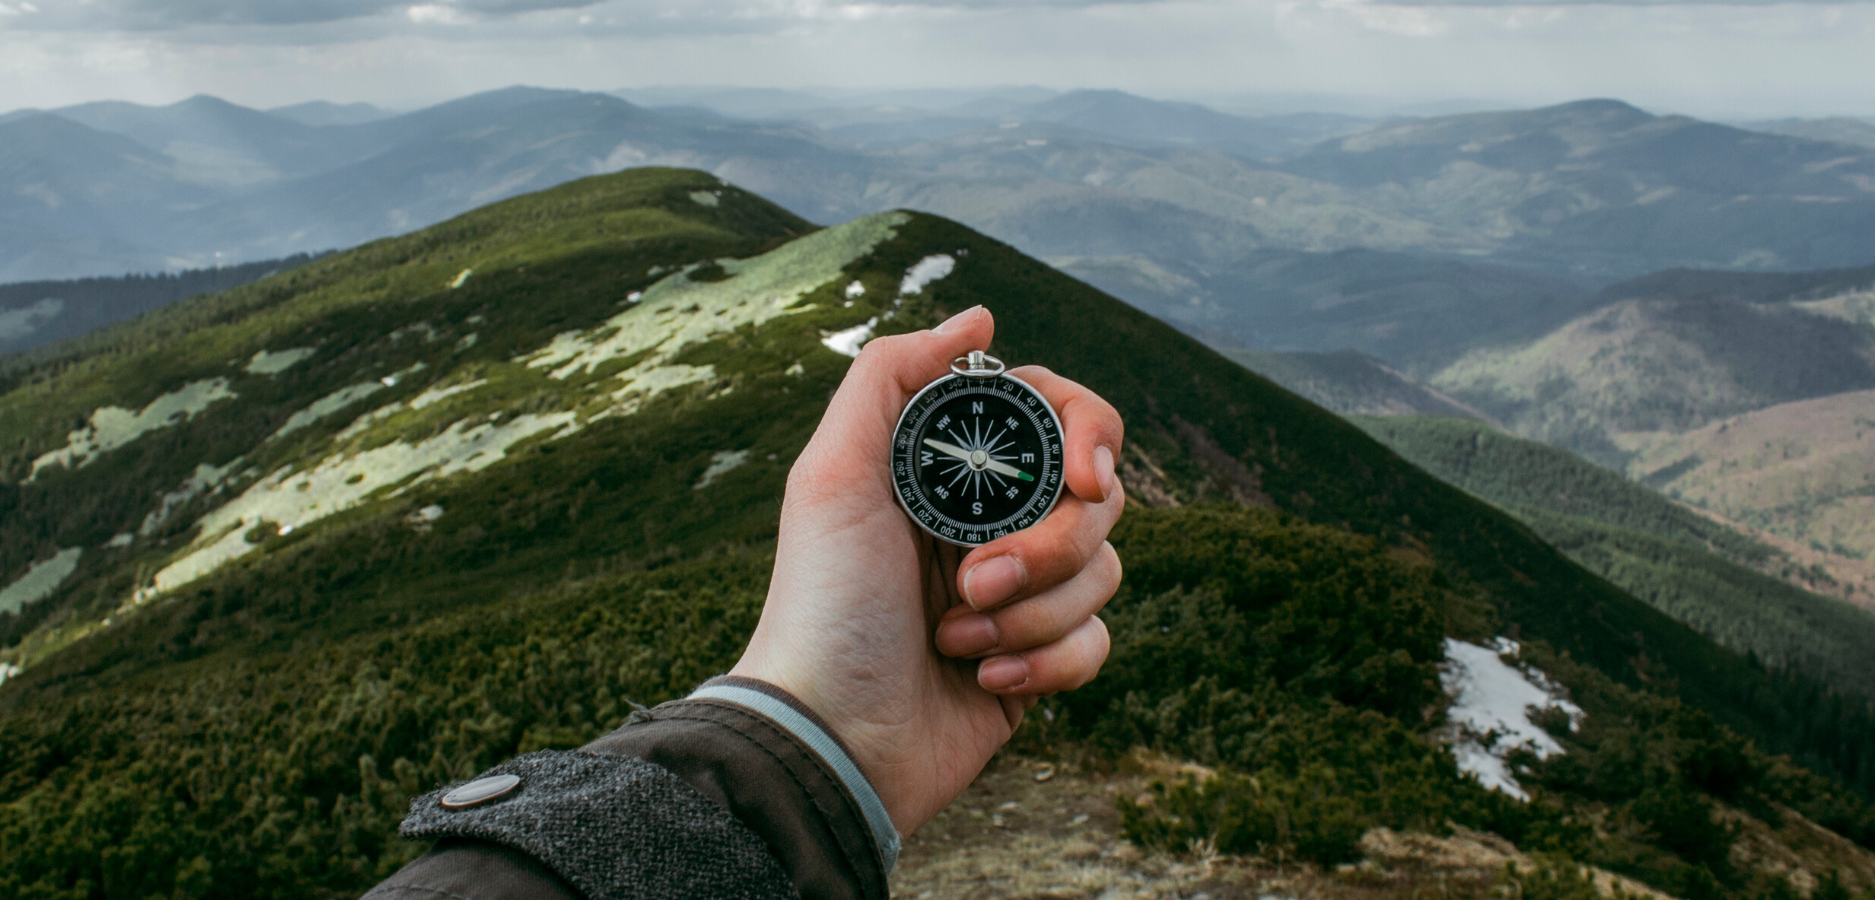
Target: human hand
922,658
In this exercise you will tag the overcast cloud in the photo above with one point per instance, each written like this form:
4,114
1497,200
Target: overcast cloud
1740,58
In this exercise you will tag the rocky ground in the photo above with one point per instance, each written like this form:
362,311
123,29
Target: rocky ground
1030,829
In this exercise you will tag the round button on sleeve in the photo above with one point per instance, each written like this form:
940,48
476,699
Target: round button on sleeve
481,791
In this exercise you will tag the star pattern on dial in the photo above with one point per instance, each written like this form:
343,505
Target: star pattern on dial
976,459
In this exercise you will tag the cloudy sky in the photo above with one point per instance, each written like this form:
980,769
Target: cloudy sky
1743,58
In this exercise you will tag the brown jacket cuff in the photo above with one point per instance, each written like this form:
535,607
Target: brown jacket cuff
772,778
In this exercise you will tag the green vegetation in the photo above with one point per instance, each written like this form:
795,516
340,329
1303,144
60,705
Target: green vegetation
257,731
1683,564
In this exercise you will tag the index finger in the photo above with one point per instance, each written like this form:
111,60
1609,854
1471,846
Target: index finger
1093,432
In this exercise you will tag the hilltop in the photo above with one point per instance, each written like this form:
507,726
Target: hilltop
289,554
1674,352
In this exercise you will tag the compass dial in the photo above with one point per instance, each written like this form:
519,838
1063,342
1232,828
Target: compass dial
977,458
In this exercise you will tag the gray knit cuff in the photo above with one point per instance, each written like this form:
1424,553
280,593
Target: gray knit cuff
807,728
611,826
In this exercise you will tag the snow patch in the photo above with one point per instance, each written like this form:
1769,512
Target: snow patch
113,426
468,340
848,341
1490,713
327,405
265,363
705,198
204,479
40,580
462,278
293,499
8,670
442,393
121,539
927,270
855,290
721,464
423,519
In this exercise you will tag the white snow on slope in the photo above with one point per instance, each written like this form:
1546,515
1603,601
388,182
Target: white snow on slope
721,463
1490,713
677,313
113,426
327,405
265,363
293,499
340,399
41,580
204,479
927,270
848,341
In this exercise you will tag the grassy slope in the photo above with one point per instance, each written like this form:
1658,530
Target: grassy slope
1689,567
611,514
1803,470
1674,351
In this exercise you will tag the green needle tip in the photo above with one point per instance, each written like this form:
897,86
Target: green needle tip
1025,476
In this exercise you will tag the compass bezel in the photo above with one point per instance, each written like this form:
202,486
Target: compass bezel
909,491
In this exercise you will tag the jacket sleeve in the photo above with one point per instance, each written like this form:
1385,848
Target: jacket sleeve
736,791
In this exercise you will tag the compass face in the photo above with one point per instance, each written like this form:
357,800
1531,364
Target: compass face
977,458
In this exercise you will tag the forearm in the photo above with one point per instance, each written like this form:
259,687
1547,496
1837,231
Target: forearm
737,791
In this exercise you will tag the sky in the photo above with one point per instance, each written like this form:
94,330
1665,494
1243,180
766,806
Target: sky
1732,60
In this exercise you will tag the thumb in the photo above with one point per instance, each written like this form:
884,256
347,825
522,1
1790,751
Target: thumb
891,369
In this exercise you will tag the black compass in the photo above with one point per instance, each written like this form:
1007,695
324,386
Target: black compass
977,454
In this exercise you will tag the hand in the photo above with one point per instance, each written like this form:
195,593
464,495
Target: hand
922,661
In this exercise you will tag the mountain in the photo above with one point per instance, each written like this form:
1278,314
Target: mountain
1137,186
1674,352
204,181
1803,470
1416,312
321,112
284,556
215,143
36,313
1744,594
75,194
1600,187
1350,383
1840,129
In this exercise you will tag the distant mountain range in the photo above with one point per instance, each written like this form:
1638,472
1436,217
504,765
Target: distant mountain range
1168,204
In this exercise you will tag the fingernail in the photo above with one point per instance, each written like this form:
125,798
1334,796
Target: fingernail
953,322
971,635
1103,470
993,581
1003,673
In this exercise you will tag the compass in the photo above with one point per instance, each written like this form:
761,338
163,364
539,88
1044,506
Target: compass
977,454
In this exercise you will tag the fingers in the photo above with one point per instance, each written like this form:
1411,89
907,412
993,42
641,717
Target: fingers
1094,433
1038,620
1063,665
1041,556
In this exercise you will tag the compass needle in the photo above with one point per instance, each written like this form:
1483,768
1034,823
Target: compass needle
977,454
